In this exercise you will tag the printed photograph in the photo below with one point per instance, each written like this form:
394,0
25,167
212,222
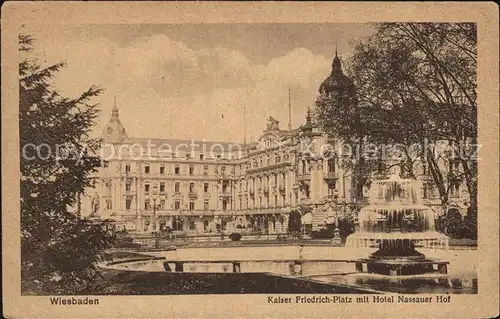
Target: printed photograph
248,158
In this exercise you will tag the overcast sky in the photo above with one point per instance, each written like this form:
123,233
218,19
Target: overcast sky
203,74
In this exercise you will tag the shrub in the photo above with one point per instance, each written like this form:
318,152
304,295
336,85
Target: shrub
455,226
324,233
282,237
235,237
346,227
122,231
125,242
166,230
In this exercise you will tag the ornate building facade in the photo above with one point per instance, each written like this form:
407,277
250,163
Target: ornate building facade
200,187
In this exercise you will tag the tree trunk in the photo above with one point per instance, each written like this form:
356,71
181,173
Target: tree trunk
437,177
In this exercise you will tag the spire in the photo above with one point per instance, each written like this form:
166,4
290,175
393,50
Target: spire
336,66
336,79
114,132
308,126
244,124
114,110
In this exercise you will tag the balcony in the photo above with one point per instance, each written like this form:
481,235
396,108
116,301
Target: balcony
330,176
275,190
225,194
304,177
193,195
305,204
266,191
130,192
226,175
130,174
241,192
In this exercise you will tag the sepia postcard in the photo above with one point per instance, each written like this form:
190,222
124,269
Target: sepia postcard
250,159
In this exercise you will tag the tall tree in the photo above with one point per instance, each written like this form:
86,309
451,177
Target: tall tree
59,249
415,85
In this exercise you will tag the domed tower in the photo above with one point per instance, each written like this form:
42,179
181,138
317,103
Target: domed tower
337,81
114,132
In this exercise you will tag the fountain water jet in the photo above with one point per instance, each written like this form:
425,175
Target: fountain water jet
397,222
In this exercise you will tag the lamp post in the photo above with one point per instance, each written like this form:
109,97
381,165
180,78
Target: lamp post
336,233
155,196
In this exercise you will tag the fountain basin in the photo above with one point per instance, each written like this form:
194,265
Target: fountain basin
402,266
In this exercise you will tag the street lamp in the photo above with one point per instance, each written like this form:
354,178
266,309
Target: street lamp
155,198
156,234
336,233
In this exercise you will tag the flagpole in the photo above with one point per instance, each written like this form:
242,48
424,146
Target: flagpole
244,124
289,112
170,111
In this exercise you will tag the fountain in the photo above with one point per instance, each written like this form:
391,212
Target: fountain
397,222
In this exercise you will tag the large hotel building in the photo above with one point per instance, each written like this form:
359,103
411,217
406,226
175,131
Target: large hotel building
201,187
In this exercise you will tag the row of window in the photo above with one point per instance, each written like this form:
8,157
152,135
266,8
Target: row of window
177,224
177,169
177,186
258,181
259,162
177,205
147,168
429,191
306,169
